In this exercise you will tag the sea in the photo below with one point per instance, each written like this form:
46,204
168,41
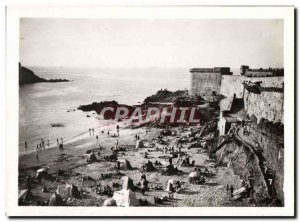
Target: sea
43,104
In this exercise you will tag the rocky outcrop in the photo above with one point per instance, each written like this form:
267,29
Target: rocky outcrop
164,96
27,76
99,106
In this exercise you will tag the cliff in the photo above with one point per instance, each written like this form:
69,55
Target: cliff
27,76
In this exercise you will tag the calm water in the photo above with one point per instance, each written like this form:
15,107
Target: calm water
44,103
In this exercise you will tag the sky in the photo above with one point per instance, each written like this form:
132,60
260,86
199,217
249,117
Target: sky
142,43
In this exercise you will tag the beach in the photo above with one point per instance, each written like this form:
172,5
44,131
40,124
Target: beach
73,161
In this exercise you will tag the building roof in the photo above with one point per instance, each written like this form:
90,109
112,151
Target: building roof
221,70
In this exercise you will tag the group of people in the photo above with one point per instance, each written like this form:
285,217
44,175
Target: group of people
137,137
91,131
230,189
40,146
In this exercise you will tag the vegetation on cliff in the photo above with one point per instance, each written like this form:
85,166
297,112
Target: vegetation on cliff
27,76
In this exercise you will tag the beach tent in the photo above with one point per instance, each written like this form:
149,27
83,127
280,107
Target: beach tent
149,166
170,170
125,198
127,183
68,190
110,202
139,144
56,200
74,192
24,195
125,165
194,176
92,158
171,183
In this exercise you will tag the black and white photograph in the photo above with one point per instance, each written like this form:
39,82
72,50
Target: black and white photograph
154,112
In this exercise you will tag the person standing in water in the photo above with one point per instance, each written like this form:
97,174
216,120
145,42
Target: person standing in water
90,131
93,130
26,146
57,142
48,143
97,138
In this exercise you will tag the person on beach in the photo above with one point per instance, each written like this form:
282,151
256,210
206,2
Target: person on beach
93,130
26,146
27,178
231,191
118,130
43,143
61,146
90,131
107,133
165,150
97,138
40,146
37,156
170,160
117,145
57,142
48,143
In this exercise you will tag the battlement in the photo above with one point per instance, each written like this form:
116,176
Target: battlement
269,72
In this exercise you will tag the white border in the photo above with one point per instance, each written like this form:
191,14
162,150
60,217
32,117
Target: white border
167,12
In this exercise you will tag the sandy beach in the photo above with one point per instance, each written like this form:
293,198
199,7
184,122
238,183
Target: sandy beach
73,162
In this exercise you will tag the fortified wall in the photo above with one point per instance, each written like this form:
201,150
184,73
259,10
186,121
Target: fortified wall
207,81
262,96
259,101
268,104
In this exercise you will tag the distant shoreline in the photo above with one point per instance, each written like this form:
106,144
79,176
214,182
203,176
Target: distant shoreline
27,76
